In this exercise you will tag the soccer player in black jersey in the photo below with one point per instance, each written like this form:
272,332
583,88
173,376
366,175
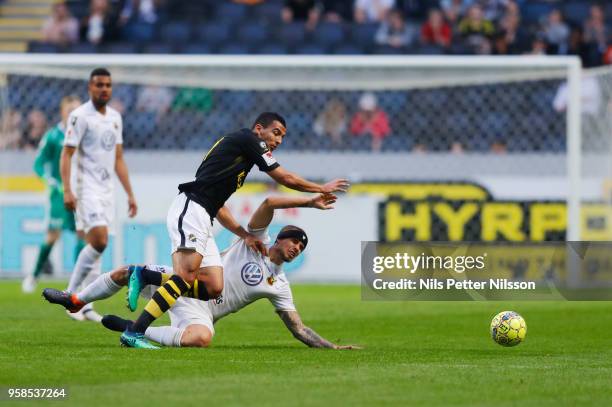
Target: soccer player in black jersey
222,172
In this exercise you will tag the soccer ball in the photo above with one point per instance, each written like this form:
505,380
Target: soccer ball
508,328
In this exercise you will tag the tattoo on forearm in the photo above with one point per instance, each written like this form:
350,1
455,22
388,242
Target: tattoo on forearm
312,339
303,333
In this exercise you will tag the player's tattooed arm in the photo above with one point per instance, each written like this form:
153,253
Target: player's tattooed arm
301,332
308,336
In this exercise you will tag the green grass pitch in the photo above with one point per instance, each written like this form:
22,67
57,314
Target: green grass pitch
416,353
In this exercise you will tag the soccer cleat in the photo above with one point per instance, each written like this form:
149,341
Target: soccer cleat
135,286
115,323
63,298
90,313
135,340
28,285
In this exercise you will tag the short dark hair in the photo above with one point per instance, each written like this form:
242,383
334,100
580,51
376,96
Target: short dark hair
266,119
99,72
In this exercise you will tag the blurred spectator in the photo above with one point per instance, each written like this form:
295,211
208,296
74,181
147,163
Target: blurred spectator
556,33
457,148
303,11
510,37
35,128
436,31
372,11
61,28
607,59
595,35
331,122
538,46
371,121
336,11
493,9
454,10
154,99
395,32
100,25
142,11
10,129
577,45
477,31
499,147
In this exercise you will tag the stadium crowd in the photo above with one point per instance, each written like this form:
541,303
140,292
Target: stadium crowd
500,27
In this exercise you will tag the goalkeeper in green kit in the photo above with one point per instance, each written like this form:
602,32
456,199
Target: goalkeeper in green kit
47,167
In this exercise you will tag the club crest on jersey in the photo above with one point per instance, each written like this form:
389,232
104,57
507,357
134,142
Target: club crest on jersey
108,140
271,280
263,145
251,274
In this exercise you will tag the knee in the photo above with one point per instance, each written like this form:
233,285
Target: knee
215,289
99,244
120,276
196,337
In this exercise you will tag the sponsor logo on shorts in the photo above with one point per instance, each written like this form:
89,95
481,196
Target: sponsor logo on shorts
251,274
192,237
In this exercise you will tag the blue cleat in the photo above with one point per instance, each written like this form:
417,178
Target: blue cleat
135,340
135,286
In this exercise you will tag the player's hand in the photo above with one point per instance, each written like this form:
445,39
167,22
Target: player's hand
132,207
349,347
69,201
255,244
323,201
337,185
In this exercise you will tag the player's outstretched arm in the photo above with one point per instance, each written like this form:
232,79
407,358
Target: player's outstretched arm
306,335
294,181
122,173
265,212
227,220
65,160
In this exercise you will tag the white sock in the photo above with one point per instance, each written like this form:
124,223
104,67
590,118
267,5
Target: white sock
102,287
85,263
166,335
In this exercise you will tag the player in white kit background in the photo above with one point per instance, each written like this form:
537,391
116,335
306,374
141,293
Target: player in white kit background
93,151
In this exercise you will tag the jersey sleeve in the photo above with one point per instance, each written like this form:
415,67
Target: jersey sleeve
258,152
260,233
283,300
120,129
75,131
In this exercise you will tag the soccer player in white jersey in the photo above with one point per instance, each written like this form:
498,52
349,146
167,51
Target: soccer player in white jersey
93,150
248,278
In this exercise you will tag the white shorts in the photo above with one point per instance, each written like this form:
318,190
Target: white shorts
189,311
92,211
189,228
